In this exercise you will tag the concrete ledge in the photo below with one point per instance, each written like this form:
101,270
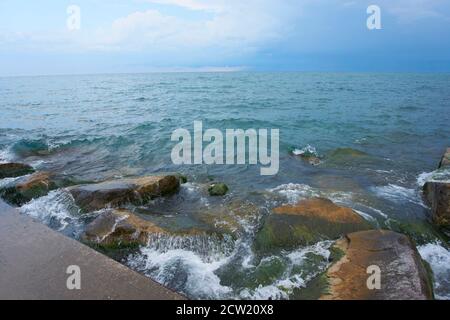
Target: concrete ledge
34,260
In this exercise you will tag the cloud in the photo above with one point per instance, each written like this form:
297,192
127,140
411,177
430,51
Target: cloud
233,25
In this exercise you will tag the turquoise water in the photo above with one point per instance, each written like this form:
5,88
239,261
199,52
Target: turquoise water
106,126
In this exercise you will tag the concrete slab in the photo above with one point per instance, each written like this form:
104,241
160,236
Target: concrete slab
34,260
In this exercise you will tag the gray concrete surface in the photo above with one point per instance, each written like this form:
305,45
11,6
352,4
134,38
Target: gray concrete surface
34,260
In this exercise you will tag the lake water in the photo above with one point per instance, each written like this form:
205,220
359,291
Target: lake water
377,135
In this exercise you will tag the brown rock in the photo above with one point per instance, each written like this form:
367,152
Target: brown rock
12,170
403,273
306,223
119,227
445,162
37,185
321,208
437,195
93,197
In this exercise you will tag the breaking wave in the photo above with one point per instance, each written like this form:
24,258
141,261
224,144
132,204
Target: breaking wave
398,194
57,210
439,259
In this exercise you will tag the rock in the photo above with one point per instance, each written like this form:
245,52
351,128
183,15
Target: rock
91,197
37,185
121,228
437,195
404,276
118,228
218,189
13,170
445,162
312,160
230,218
308,156
306,223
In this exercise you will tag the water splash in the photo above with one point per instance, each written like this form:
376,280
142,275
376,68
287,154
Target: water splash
57,210
186,264
439,259
399,194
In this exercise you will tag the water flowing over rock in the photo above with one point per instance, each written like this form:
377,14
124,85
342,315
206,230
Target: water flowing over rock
118,227
404,276
91,197
306,223
13,170
31,187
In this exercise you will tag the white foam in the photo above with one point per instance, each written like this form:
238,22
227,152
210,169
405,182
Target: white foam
439,259
398,194
6,155
282,288
165,262
441,175
294,192
306,150
55,208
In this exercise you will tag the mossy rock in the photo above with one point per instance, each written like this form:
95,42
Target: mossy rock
218,189
37,185
13,170
307,223
421,231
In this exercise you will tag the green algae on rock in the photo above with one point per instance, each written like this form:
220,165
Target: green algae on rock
218,189
306,223
13,170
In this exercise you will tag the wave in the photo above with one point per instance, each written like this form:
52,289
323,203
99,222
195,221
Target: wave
186,264
294,192
439,259
399,194
440,175
283,287
56,210
305,151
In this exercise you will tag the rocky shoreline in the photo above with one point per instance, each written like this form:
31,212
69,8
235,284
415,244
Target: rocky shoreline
358,243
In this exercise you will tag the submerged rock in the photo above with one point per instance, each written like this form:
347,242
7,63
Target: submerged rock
218,189
31,187
118,227
13,170
445,162
404,276
307,154
437,195
137,191
230,218
306,223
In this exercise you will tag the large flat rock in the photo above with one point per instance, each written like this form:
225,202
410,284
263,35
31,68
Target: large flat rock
34,260
91,197
402,272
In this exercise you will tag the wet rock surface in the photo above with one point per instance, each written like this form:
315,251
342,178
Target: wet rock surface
306,223
403,273
445,162
437,196
13,170
34,186
91,197
217,189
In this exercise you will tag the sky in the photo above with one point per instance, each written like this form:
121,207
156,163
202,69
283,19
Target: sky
42,37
